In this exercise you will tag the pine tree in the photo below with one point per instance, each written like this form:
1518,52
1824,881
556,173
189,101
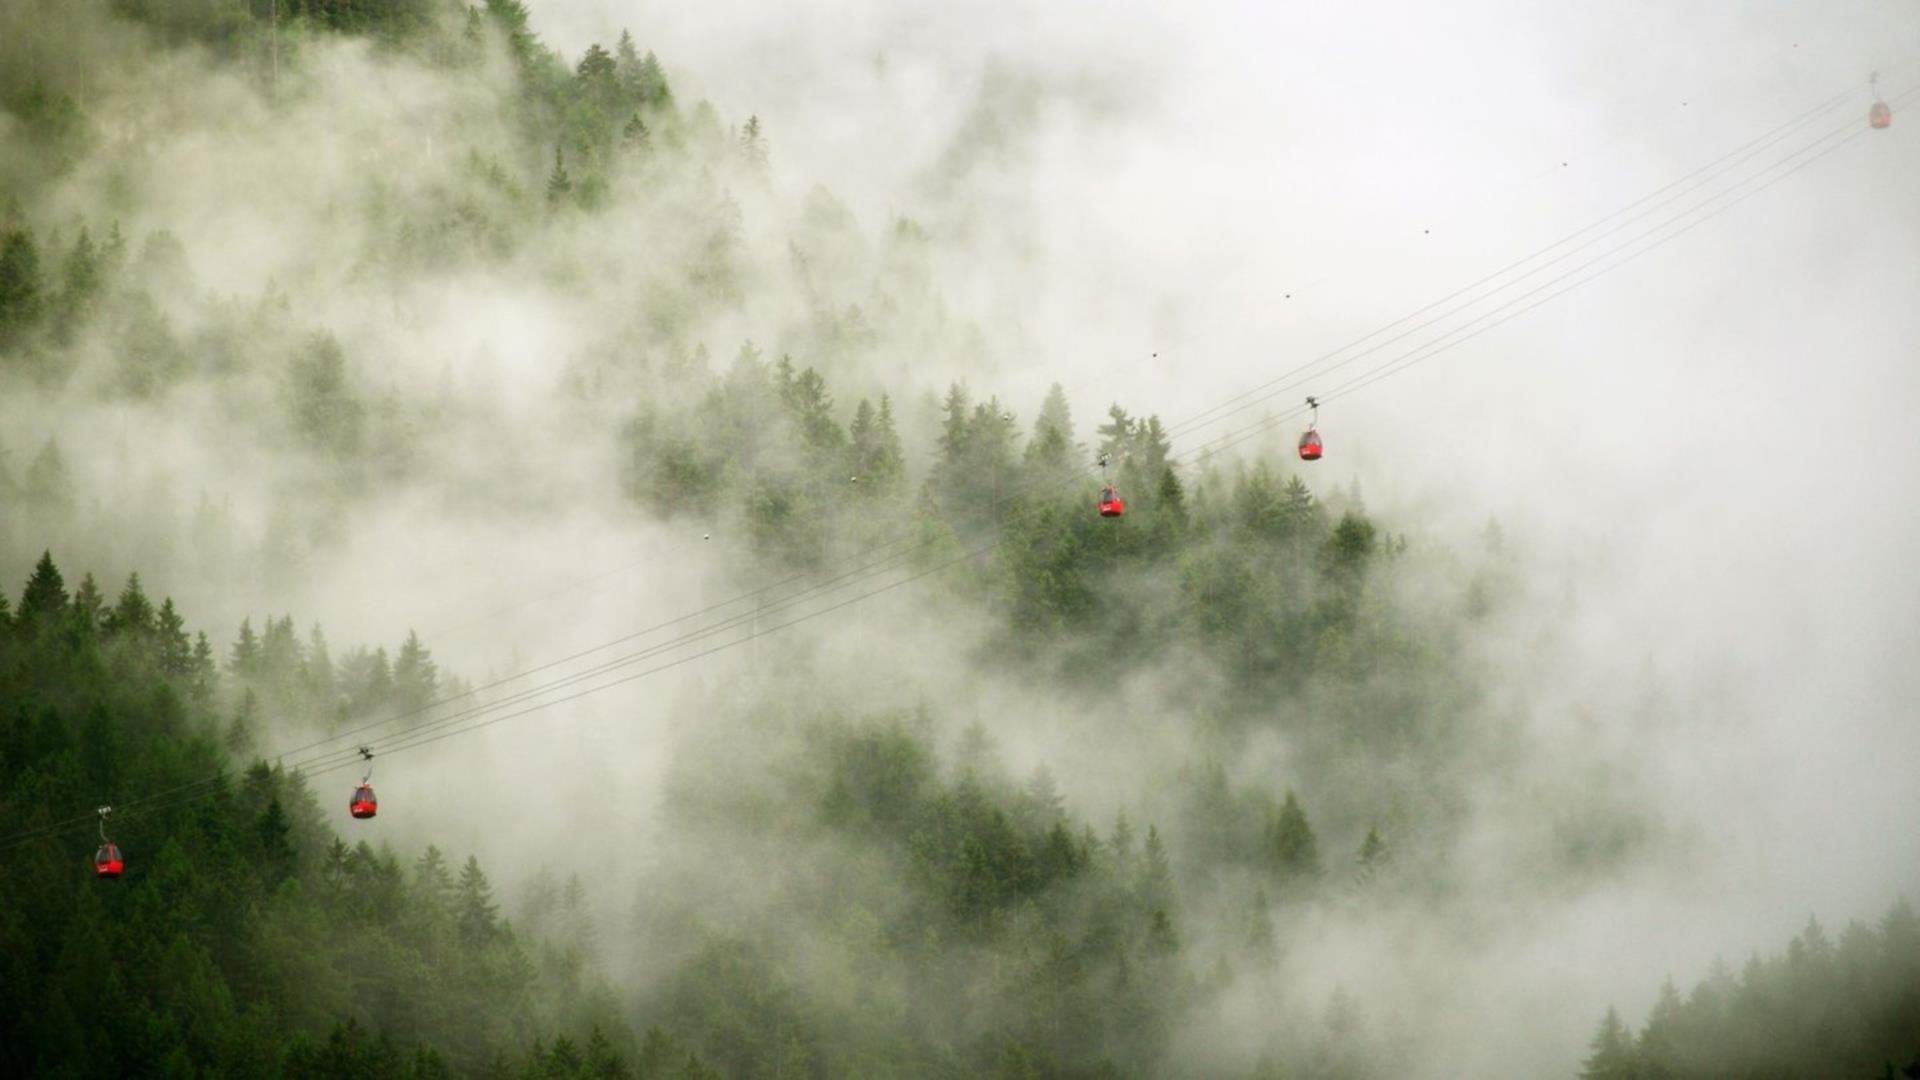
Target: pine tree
326,409
1116,435
953,429
113,253
597,74
79,279
651,84
176,650
753,147
416,678
45,598
635,135
318,673
87,610
1122,842
626,69
1658,1048
603,1063
134,613
559,184
20,299
475,916
205,672
879,457
1051,447
273,831
1612,1051
243,661
239,736
1155,888
1372,854
1292,851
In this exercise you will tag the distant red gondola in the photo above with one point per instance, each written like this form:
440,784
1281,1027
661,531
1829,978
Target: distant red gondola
363,804
1310,442
1881,115
1111,505
107,862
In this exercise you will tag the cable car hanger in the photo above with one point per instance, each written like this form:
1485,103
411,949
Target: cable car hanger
107,862
1879,114
1310,440
362,803
1111,504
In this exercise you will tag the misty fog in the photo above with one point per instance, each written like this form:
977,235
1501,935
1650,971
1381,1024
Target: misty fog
371,357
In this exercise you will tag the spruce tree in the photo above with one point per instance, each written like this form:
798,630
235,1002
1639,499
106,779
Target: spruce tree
1372,854
45,597
134,613
20,298
559,184
243,661
475,916
1292,850
87,610
1612,1055
1051,447
176,650
416,678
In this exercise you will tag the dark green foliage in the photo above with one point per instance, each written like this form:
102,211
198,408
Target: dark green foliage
1292,852
44,600
326,408
20,286
1850,1008
245,938
999,906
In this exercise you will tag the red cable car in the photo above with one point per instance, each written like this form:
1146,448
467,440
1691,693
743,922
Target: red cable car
1310,442
107,862
1111,505
1880,116
363,804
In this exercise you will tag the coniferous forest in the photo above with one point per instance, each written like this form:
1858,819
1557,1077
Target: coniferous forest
326,326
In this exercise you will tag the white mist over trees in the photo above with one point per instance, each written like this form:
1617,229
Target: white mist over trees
409,351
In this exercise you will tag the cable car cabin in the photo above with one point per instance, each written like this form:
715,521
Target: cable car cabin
107,862
1310,446
363,804
1881,115
1111,505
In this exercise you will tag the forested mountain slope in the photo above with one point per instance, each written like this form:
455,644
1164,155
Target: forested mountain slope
287,287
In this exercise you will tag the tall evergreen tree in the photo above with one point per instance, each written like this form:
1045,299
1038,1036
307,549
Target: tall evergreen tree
559,183
134,613
20,289
45,598
1611,1056
1293,853
416,679
176,650
87,610
244,659
475,916
1051,448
